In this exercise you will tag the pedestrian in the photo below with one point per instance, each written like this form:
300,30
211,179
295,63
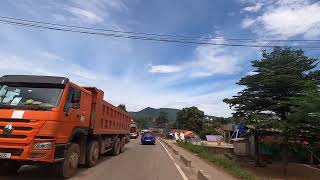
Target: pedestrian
182,137
176,136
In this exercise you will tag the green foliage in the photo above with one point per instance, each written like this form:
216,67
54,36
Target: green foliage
228,165
190,118
207,130
162,119
151,114
143,123
280,75
267,100
305,116
210,127
122,107
148,115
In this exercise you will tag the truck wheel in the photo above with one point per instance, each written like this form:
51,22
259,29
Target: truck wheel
9,167
123,143
92,153
70,164
116,148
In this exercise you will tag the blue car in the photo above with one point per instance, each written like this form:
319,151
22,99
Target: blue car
148,138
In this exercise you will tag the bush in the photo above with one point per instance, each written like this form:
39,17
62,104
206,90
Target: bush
230,166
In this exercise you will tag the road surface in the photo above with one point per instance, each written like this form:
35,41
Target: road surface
138,162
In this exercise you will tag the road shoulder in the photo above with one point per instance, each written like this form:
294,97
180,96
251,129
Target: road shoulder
197,164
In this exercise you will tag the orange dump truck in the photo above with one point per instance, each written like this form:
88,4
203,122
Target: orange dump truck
50,120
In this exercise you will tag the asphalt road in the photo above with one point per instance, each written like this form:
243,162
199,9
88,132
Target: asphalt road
138,162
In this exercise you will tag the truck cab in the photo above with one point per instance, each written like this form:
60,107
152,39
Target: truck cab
40,117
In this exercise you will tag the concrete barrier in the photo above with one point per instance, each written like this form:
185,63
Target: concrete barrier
185,161
175,151
202,176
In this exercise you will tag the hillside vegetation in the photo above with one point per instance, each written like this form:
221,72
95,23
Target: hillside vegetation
146,117
149,114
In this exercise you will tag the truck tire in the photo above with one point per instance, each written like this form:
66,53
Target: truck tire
9,167
92,153
123,143
69,166
116,148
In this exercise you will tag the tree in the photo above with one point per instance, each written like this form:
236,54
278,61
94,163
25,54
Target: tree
265,102
122,107
190,118
142,123
162,119
208,129
305,117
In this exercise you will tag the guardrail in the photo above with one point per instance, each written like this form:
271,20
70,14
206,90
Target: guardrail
202,176
185,161
175,151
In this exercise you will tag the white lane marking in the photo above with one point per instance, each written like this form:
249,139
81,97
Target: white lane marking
177,166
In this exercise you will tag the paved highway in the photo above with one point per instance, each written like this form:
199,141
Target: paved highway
138,162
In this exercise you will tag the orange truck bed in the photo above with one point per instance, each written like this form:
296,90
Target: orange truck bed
106,118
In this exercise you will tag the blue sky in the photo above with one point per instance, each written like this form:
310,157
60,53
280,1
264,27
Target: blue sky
143,73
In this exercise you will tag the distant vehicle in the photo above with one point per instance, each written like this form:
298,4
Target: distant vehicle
148,138
144,130
134,133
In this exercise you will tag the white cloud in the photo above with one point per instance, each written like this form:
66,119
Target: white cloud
85,15
211,103
211,60
287,18
287,21
207,61
43,65
164,69
254,8
247,22
89,12
49,55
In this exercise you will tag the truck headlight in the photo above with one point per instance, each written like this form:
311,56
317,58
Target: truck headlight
42,145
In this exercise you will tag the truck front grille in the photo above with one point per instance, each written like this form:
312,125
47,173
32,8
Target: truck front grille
13,136
13,151
20,128
23,132
15,120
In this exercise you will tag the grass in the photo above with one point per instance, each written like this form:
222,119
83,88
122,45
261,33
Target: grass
220,160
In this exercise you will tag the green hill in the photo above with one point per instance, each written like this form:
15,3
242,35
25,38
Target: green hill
145,118
151,113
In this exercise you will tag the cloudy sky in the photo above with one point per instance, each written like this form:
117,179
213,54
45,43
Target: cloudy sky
156,74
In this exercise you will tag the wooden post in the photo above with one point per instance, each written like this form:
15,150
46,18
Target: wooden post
311,159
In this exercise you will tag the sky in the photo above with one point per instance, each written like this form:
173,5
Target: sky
144,74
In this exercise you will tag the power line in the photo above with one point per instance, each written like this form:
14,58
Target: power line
125,36
52,27
161,35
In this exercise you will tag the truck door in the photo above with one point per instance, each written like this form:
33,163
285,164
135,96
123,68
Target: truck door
73,109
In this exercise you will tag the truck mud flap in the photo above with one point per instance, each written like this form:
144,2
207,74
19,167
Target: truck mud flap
59,152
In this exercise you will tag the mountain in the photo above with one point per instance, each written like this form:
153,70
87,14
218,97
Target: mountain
146,116
151,113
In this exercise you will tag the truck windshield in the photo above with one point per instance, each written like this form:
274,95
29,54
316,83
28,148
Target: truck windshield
29,97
